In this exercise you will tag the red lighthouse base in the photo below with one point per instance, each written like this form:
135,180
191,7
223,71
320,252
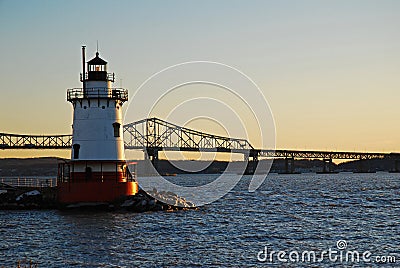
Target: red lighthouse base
94,187
93,192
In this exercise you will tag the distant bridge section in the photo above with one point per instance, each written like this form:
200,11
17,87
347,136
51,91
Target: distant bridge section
327,158
16,141
299,154
156,133
153,135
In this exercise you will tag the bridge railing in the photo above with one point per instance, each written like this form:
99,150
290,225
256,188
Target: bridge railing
29,182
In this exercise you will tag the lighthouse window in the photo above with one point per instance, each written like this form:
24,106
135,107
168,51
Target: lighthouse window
76,148
116,127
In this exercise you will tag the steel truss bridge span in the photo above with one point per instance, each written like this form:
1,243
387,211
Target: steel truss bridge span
17,141
300,154
154,135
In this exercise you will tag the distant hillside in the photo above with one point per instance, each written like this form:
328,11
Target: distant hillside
47,166
43,166
368,165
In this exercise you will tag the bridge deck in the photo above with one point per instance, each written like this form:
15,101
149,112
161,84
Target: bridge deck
154,134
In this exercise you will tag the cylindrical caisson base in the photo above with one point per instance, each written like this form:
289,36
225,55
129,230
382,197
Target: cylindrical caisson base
95,181
94,191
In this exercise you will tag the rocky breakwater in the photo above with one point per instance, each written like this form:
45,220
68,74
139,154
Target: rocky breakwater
16,198
155,201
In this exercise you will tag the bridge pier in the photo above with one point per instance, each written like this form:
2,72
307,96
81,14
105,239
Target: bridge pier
364,166
396,166
289,166
152,155
251,167
252,162
327,166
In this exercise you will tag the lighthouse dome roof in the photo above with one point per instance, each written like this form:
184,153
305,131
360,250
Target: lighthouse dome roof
97,60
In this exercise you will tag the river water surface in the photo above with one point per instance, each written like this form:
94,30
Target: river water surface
289,213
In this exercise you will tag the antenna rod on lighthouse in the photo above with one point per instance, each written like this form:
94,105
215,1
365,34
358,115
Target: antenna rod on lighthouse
84,71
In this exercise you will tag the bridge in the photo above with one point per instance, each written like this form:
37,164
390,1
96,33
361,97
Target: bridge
17,141
153,135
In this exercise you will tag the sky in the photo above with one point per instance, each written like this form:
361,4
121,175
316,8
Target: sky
329,70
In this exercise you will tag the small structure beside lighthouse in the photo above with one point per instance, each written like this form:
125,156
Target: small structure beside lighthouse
97,171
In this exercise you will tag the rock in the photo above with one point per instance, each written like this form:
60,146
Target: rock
30,193
128,203
171,194
190,204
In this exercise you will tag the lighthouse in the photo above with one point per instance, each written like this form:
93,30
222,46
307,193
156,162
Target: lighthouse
97,171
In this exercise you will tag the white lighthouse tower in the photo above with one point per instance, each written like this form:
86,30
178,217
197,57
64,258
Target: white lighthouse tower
97,171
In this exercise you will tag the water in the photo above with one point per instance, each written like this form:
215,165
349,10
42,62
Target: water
289,213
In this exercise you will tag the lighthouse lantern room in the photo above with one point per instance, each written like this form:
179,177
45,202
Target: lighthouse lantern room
97,171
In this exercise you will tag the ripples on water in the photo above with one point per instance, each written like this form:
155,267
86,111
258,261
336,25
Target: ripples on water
289,212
